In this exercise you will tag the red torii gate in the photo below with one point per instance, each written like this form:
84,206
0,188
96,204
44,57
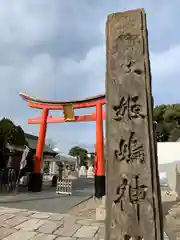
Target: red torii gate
69,116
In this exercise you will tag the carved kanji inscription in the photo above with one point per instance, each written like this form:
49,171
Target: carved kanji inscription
133,200
121,192
131,54
133,191
137,192
130,150
128,106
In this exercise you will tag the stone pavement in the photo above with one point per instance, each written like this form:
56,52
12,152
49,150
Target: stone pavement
21,224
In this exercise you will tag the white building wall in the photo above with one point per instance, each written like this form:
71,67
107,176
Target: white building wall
168,152
53,168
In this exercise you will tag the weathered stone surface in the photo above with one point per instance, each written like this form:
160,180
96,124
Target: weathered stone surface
24,213
4,232
30,225
56,217
94,238
9,210
86,232
68,218
44,237
20,235
66,238
1,212
89,222
12,222
101,232
41,215
100,213
133,190
5,217
101,209
30,228
67,230
49,227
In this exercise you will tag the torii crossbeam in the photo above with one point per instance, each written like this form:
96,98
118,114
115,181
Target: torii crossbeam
68,108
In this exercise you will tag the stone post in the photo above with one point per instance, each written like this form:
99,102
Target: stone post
133,200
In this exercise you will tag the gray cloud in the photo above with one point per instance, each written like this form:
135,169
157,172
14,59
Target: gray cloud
56,50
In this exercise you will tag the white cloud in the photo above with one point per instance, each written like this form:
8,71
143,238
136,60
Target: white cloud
166,63
27,23
38,75
165,75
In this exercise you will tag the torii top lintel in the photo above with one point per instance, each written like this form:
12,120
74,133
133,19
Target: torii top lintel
34,102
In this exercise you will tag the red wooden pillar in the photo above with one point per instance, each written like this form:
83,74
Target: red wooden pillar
41,142
35,183
95,160
100,168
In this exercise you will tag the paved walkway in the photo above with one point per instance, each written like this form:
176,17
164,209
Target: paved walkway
21,224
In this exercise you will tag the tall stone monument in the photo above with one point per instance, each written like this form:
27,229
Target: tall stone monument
133,192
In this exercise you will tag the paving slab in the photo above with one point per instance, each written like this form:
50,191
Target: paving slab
5,217
56,217
30,225
67,238
13,222
21,224
16,225
101,232
67,230
44,237
24,213
20,235
4,232
90,222
9,210
86,232
40,215
49,227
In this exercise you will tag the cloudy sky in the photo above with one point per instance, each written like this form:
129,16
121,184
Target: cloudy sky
55,49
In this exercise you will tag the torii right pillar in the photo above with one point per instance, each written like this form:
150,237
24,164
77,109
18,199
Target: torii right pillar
99,158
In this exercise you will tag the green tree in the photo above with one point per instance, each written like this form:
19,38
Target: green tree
81,152
11,133
91,158
168,122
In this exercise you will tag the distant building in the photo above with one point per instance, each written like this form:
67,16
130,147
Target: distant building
32,141
60,158
16,151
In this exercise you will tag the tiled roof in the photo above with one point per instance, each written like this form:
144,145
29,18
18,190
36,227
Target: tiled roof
32,142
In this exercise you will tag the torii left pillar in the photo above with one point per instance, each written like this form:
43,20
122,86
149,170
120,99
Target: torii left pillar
36,179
